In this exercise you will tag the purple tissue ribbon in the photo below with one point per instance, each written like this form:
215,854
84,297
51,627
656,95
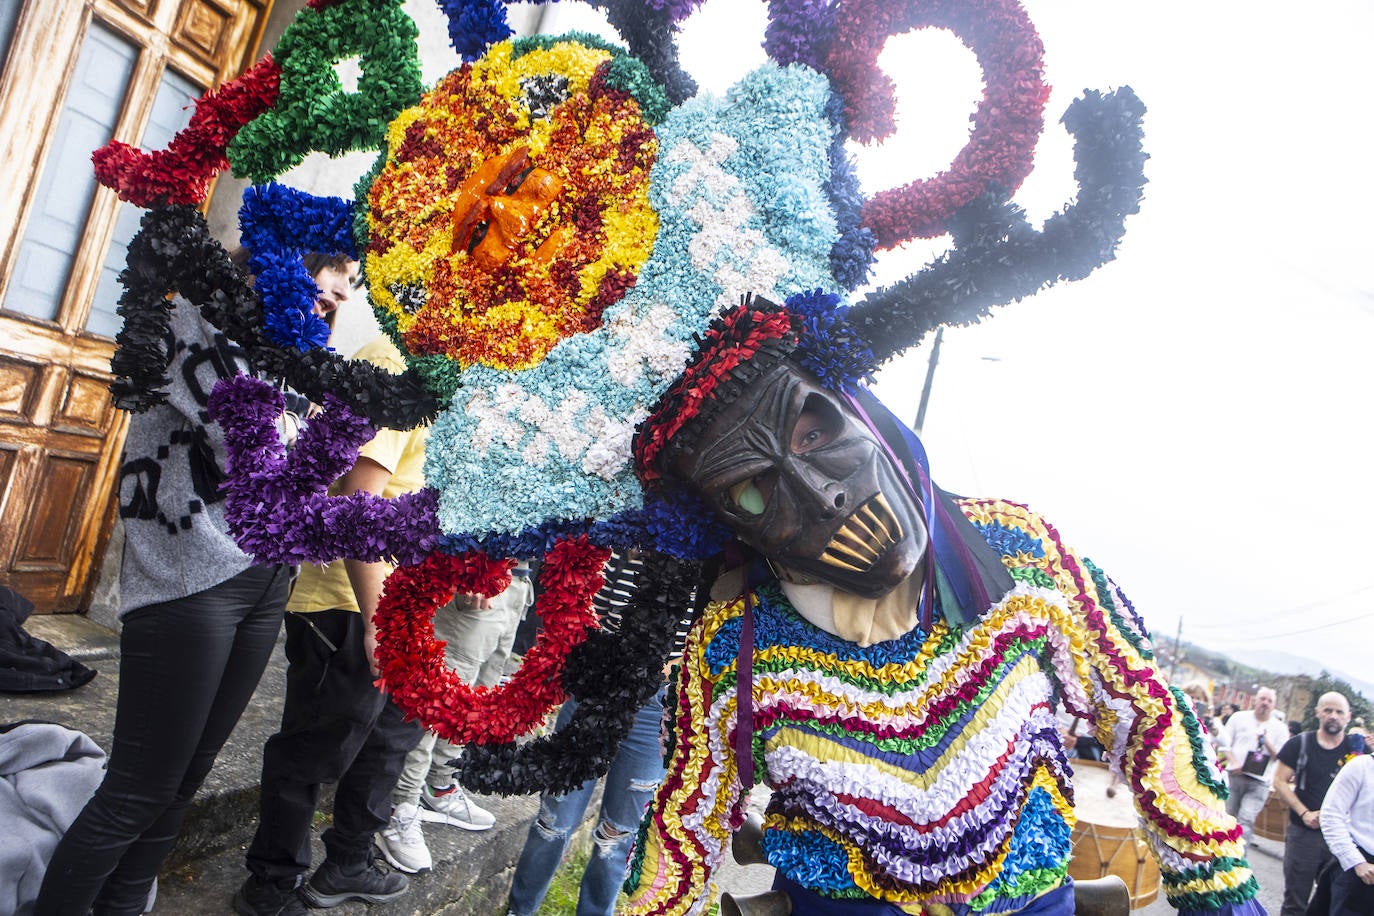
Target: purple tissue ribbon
277,504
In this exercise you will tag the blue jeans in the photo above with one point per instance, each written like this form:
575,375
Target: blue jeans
634,775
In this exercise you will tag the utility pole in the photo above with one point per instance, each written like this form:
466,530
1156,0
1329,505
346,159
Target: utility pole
1178,638
930,378
539,16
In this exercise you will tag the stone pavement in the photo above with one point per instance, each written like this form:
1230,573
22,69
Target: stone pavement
472,871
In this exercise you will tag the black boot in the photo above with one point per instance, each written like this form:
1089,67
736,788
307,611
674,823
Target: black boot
266,898
331,886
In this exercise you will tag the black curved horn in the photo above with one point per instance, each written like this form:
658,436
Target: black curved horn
611,674
998,258
652,37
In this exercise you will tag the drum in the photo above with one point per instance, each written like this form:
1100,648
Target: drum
1272,820
1106,840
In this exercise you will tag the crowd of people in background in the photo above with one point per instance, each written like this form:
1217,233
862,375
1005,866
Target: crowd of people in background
1324,777
198,614
209,627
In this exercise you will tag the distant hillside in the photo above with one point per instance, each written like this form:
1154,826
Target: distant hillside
1288,663
1260,665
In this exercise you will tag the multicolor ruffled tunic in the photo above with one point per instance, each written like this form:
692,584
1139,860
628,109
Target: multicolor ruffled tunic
928,770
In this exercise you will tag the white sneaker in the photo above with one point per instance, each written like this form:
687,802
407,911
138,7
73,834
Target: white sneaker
452,806
403,843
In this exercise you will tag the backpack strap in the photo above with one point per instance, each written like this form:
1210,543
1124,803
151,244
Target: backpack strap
1301,769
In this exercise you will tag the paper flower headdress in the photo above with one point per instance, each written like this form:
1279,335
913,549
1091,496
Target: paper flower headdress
551,234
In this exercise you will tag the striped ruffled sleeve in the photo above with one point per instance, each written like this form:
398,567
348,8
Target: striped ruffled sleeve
687,830
1151,735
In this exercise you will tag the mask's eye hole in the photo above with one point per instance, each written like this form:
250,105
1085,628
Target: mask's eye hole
747,496
818,425
479,232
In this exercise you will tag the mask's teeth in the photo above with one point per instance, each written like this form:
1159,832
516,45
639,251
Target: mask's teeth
871,519
864,537
831,560
889,518
857,550
869,524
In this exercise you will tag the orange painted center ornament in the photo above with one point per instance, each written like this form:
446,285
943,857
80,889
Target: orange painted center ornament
512,207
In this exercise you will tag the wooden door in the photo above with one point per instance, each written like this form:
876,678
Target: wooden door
78,73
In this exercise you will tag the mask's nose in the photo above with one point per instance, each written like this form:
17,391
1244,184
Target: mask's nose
825,496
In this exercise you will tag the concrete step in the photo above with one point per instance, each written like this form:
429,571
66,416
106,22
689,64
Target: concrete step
224,812
471,875
472,870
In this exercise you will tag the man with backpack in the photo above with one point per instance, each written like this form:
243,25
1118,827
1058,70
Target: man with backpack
1307,764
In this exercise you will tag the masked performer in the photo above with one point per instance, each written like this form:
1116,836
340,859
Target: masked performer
551,234
889,664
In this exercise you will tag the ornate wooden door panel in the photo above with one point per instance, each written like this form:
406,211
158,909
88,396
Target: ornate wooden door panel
76,75
59,440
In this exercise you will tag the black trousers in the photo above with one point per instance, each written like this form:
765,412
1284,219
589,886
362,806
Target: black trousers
1349,895
187,669
335,727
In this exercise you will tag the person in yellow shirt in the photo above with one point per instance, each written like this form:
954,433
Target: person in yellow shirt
336,725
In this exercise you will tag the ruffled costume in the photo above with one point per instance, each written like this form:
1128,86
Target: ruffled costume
925,770
928,769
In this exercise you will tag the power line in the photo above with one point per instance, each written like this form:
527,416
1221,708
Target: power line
1277,615
1324,626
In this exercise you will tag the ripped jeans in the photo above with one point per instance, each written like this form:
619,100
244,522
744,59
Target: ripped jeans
634,775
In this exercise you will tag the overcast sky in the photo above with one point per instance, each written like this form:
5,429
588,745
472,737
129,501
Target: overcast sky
1195,416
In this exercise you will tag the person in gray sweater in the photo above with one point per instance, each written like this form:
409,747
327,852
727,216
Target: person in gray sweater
199,621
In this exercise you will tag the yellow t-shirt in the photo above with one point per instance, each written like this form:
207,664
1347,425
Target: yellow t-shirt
402,452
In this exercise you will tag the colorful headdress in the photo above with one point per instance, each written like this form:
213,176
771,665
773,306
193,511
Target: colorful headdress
558,237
